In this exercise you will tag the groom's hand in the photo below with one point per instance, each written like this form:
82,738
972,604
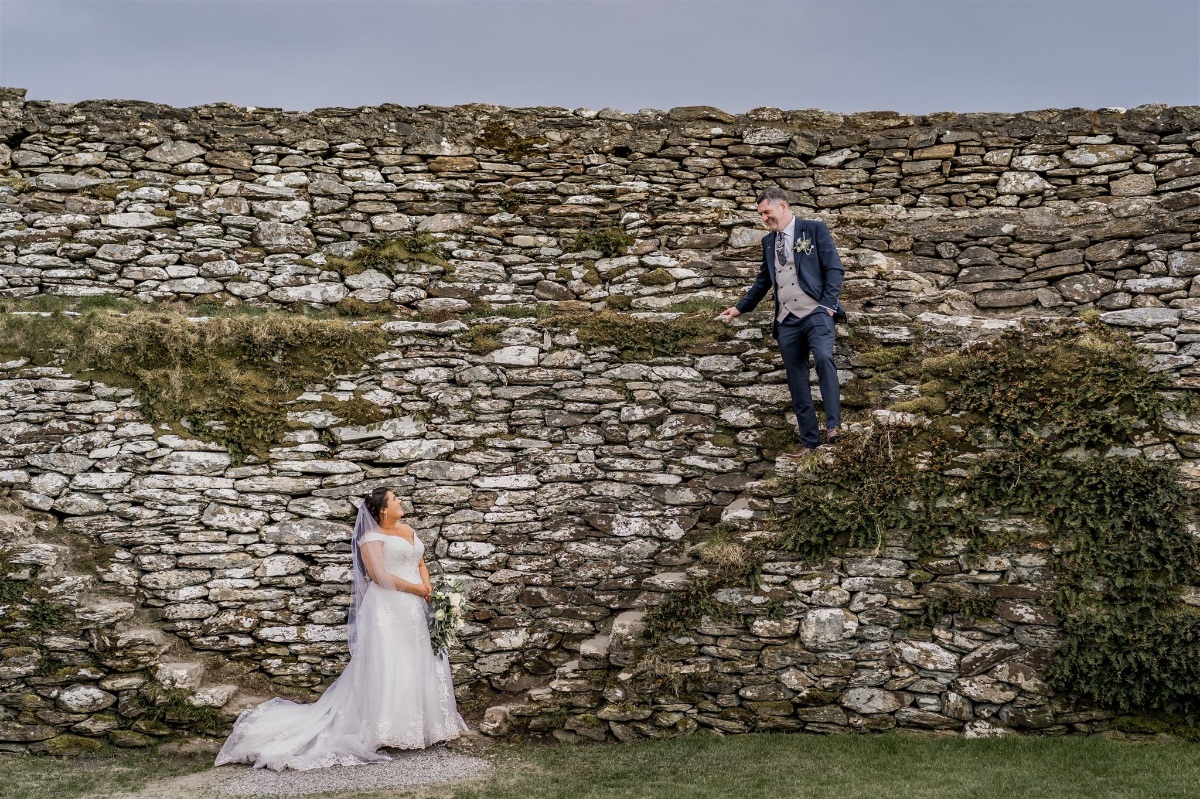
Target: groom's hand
728,314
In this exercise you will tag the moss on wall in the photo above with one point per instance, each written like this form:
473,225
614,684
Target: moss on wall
226,379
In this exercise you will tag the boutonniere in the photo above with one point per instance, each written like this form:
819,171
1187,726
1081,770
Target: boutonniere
803,245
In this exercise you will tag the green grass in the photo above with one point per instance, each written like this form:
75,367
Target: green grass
845,767
708,767
114,772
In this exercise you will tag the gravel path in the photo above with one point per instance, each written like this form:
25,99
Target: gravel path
407,769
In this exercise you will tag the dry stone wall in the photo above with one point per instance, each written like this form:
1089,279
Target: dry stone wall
566,484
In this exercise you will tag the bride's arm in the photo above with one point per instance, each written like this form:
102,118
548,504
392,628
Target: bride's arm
372,558
425,582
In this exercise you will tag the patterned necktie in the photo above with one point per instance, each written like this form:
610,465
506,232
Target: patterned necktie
780,249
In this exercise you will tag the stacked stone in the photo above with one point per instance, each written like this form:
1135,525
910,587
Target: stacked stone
1044,213
840,659
565,486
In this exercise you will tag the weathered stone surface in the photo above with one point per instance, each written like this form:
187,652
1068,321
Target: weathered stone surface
1022,183
413,450
1084,288
1142,317
569,473
927,655
237,520
85,699
175,152
983,689
25,733
988,655
872,700
827,625
133,220
278,237
1184,264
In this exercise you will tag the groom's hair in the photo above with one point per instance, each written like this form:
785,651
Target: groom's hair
773,194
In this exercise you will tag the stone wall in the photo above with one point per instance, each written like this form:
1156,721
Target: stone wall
1043,212
568,485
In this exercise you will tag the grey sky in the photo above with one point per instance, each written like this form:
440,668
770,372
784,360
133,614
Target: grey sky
913,56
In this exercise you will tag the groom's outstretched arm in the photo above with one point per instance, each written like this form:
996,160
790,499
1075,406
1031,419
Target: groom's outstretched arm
759,289
753,296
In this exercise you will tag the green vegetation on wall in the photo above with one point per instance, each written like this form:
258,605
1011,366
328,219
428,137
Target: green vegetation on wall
609,242
1040,426
391,255
638,338
226,379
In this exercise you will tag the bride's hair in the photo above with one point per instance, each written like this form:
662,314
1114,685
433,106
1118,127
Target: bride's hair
376,502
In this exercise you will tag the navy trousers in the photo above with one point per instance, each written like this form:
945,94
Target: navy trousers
797,338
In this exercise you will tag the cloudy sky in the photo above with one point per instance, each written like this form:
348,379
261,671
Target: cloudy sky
914,56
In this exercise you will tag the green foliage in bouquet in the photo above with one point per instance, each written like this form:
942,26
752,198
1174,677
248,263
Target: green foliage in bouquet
447,613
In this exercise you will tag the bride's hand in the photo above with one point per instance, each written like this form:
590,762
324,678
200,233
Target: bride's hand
427,592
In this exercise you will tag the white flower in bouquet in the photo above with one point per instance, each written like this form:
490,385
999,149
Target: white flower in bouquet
446,612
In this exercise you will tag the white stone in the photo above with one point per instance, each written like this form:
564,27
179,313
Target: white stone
1142,317
278,237
507,481
185,676
515,356
927,655
193,463
827,625
413,449
279,566
133,220
443,223
212,696
85,699
314,294
1022,183
836,158
742,237
237,520
283,210
175,152
872,700
73,504
100,481
389,223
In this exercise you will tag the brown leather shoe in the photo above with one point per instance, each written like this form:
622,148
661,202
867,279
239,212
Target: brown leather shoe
832,435
800,453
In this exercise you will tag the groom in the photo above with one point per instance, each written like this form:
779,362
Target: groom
801,266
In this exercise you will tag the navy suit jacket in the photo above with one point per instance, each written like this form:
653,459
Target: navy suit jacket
819,271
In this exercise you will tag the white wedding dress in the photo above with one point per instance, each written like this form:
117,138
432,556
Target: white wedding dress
395,692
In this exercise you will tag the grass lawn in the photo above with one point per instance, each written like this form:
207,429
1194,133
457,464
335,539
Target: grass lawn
846,767
113,772
737,767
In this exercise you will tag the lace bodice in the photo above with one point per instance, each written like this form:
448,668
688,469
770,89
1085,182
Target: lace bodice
400,557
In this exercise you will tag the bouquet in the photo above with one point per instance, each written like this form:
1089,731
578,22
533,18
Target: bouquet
446,612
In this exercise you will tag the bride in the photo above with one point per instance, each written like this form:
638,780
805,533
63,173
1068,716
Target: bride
395,692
